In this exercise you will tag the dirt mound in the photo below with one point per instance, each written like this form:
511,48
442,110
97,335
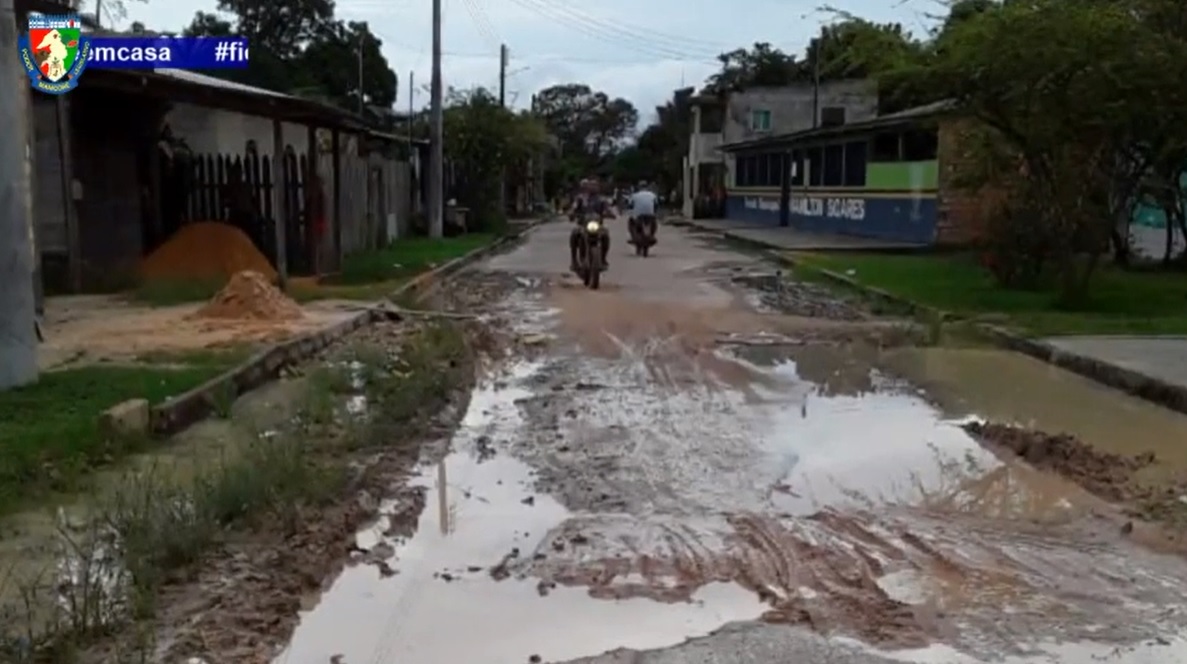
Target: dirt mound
205,250
251,296
1106,475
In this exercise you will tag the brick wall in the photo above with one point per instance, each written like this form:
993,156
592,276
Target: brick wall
961,214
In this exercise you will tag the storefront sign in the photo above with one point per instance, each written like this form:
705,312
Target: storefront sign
836,208
809,206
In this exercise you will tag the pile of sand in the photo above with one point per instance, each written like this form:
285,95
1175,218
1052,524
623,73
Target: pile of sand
205,250
250,295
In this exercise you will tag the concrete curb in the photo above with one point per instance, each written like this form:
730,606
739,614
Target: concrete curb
185,409
1131,382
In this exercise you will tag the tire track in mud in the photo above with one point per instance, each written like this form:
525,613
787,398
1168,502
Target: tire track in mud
894,581
898,577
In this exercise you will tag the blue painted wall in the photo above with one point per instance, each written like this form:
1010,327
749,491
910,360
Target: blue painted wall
901,219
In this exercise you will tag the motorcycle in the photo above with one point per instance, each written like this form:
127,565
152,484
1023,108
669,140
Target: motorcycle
642,234
589,254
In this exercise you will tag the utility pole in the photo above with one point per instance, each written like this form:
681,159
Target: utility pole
503,57
816,85
361,33
18,307
411,112
412,154
99,13
503,75
436,135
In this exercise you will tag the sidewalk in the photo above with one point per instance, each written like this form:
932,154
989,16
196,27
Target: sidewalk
790,239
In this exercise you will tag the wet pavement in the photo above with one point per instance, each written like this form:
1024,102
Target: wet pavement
674,471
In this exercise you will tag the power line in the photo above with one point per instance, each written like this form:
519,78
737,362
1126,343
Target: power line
482,23
610,36
665,39
553,57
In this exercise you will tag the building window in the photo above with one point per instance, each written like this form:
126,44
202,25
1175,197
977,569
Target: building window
760,120
832,116
746,171
855,164
834,165
920,145
815,166
886,148
797,159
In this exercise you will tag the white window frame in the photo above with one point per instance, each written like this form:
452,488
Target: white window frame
757,113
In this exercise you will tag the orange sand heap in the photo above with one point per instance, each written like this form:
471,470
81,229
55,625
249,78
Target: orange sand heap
250,295
205,250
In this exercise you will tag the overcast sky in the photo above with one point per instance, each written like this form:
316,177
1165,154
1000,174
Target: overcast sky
598,43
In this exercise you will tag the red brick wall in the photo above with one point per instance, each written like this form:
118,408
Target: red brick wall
961,214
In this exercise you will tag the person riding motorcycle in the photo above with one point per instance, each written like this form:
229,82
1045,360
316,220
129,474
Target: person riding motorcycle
589,203
643,204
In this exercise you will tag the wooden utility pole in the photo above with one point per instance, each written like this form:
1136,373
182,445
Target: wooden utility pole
18,299
436,202
503,57
361,33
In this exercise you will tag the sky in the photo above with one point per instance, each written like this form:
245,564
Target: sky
640,50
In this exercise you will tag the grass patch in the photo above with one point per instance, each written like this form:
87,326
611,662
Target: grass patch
160,526
370,292
1119,301
405,258
222,358
49,431
172,292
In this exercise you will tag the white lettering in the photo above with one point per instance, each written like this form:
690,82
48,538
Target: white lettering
764,204
132,54
836,208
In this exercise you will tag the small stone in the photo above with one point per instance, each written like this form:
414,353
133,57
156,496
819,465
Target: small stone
127,418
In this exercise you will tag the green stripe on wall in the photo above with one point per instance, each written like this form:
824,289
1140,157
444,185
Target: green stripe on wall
908,175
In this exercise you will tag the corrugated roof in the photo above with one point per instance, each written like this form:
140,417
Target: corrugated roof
891,119
212,82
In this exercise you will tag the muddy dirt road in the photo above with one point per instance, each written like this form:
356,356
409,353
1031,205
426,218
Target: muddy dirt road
674,469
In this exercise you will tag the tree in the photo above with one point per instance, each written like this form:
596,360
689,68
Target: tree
280,27
481,139
112,12
758,66
1063,91
331,61
298,47
664,144
589,125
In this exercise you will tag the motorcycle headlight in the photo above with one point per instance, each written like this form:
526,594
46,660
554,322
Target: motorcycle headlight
593,227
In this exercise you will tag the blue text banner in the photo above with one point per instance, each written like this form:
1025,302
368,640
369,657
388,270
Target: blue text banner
167,53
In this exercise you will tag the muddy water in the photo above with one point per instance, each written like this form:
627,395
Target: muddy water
482,515
1012,387
654,476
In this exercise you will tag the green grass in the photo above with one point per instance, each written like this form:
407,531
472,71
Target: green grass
406,258
1119,301
170,292
49,431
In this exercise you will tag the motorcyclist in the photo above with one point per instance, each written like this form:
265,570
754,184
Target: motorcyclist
589,203
643,204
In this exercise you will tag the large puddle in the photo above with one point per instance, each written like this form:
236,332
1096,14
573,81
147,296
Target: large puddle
680,491
445,604
1011,387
